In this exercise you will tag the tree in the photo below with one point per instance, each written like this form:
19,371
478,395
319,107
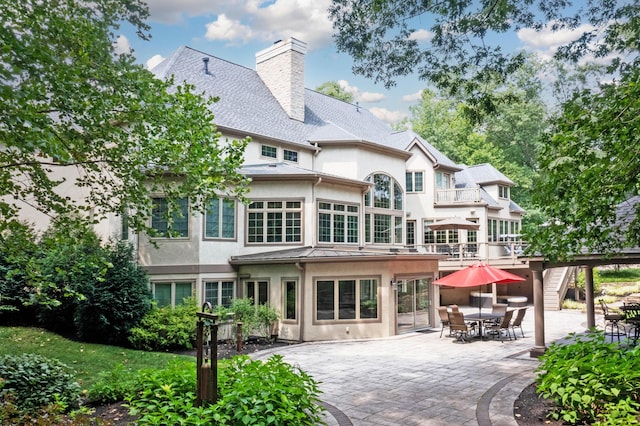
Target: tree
464,54
333,89
76,111
590,162
17,252
112,306
69,263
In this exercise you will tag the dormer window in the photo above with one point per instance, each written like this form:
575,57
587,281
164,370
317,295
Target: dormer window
503,192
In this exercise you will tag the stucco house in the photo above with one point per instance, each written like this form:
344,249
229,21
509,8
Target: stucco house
336,234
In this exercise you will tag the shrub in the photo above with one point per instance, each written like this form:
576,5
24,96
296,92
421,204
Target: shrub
168,396
111,307
592,381
51,415
113,385
34,381
266,315
70,262
166,328
249,393
271,392
255,319
244,310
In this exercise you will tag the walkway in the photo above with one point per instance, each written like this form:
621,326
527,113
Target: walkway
422,379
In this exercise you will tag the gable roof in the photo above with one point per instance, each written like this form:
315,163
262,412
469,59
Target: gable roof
407,138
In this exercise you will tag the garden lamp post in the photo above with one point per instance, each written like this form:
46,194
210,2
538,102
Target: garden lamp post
207,356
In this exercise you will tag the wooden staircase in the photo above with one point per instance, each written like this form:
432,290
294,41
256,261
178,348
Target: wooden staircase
556,281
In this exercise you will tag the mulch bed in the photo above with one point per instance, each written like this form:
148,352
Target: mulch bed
530,409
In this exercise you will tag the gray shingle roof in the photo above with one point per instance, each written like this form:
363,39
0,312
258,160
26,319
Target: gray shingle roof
484,174
284,170
247,105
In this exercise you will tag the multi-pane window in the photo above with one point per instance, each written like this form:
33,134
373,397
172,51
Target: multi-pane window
411,232
450,236
350,299
443,180
429,236
515,227
492,230
171,293
509,229
289,155
176,225
503,191
220,219
274,222
269,151
124,229
337,223
504,230
415,181
258,291
290,300
219,293
384,204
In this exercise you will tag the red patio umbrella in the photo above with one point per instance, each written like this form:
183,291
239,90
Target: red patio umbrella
478,274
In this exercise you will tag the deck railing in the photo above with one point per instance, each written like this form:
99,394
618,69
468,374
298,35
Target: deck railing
457,195
471,251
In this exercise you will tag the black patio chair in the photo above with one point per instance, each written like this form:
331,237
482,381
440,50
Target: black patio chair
612,321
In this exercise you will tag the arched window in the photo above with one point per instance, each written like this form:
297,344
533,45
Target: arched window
384,210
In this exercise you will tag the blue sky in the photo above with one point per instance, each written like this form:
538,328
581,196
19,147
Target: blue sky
235,30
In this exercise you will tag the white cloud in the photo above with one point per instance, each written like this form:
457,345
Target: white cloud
359,96
421,35
413,97
545,42
154,60
226,29
388,116
122,45
238,21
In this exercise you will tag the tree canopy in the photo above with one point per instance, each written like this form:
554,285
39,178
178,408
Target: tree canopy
462,51
76,111
333,89
590,163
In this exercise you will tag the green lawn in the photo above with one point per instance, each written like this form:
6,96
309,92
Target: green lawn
622,275
87,359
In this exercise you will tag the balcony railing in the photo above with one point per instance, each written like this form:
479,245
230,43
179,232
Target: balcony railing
478,251
458,196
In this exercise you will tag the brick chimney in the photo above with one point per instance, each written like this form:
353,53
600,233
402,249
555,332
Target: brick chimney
281,68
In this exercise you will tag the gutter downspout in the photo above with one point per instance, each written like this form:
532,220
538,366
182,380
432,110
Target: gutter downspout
301,299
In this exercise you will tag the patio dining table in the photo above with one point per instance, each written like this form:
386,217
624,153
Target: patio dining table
481,317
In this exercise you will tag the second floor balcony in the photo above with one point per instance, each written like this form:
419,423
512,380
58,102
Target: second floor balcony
457,196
